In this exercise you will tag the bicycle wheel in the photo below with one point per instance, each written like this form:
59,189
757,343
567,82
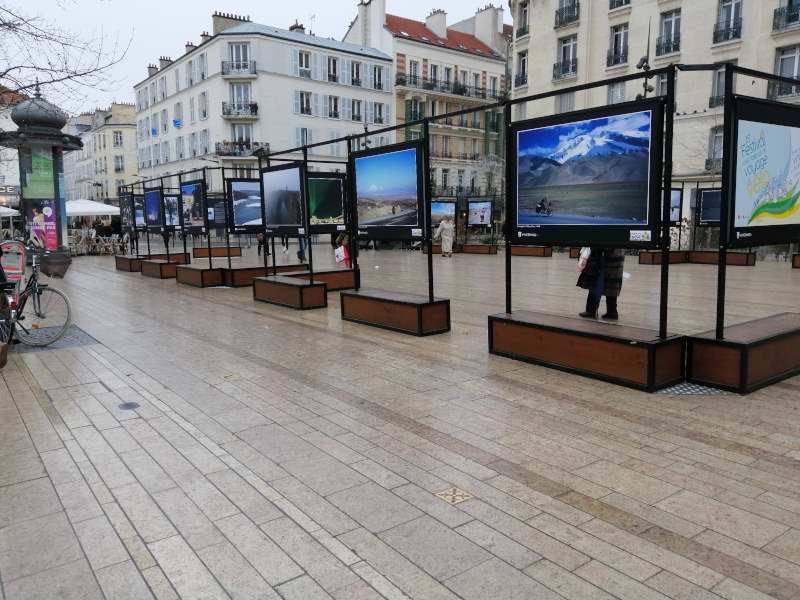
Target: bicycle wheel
44,319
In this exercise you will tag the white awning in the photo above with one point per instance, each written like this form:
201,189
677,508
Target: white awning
8,212
89,208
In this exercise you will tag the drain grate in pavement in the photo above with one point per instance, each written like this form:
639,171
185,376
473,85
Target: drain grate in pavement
692,389
454,496
75,336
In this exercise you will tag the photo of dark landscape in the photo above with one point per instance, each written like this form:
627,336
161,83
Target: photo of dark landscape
710,206
591,172
386,189
126,212
246,198
152,207
282,199
326,201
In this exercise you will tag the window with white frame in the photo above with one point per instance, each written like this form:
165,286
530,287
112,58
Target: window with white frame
357,110
153,98
493,85
715,143
202,67
162,87
378,114
165,151
164,121
242,133
476,81
413,72
377,77
333,107
304,136
305,64
240,94
177,80
179,148
177,114
193,144
153,124
448,74
304,103
119,163
192,112
616,92
355,73
333,69
204,141
565,102
239,56
190,73
117,139
202,105
445,177
788,65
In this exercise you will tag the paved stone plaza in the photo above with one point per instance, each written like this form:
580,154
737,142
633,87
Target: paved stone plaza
204,446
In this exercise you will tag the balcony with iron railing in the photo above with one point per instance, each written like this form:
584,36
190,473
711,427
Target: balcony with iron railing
522,31
520,79
445,87
238,68
714,164
785,17
565,69
777,90
668,44
567,15
333,77
244,148
356,82
725,31
240,109
614,4
618,56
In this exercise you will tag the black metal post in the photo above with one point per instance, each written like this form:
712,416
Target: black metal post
180,217
727,150
164,231
696,215
228,203
306,220
272,237
510,155
208,225
350,224
665,208
426,168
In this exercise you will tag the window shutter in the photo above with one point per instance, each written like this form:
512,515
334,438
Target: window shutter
295,62
310,137
367,75
387,71
346,76
298,141
315,66
370,112
296,102
387,113
347,109
315,108
324,74
408,110
327,106
421,110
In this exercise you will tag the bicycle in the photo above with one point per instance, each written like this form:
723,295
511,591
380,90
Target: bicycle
39,315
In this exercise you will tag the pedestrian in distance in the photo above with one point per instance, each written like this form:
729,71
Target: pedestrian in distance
446,232
601,273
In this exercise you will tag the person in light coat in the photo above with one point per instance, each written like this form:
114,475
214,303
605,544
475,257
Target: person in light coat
446,231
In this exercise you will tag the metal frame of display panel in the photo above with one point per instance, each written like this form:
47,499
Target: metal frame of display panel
236,229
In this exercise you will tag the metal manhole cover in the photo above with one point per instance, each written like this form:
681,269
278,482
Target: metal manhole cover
74,337
692,389
129,406
454,496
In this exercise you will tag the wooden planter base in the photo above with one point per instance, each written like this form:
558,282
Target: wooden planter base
540,251
406,313
131,264
182,258
217,252
479,249
653,257
336,279
199,277
243,276
574,252
751,355
628,356
796,261
160,269
711,257
290,291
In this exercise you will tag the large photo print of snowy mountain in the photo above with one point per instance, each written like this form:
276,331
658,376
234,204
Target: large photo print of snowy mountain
592,172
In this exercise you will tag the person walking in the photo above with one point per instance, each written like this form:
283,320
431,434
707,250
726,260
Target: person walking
261,243
602,276
446,231
343,241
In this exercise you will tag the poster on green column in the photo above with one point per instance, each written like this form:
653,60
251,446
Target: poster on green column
37,173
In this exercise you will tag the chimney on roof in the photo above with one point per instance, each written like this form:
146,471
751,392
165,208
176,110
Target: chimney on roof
189,47
204,37
151,70
437,22
223,21
298,27
164,61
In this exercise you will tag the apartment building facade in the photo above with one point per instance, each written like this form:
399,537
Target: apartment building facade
248,87
108,157
441,69
9,159
561,43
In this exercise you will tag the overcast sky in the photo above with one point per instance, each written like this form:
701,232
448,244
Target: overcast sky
162,27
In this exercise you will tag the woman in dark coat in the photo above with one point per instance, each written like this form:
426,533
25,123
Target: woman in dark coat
602,276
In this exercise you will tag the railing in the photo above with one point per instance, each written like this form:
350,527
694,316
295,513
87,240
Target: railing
333,77
239,148
377,85
119,169
305,73
567,68
617,57
714,165
333,114
377,120
779,89
240,109
569,14
785,17
667,44
726,30
356,116
238,67
446,87
522,31
715,101
521,79
356,82
612,4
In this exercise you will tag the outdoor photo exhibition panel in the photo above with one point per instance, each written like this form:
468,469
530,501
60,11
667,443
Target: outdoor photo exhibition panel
153,209
138,213
245,207
479,213
390,191
709,208
283,191
442,210
765,173
126,211
172,211
326,202
590,178
194,216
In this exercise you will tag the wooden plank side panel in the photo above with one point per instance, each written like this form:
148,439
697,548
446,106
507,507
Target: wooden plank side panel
565,349
436,317
479,249
217,252
393,315
286,295
344,279
773,359
130,264
796,261
669,363
539,251
714,363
